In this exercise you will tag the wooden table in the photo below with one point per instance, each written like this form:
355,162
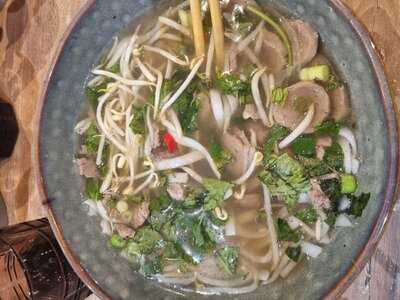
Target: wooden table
30,33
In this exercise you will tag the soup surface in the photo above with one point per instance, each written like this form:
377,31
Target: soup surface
216,148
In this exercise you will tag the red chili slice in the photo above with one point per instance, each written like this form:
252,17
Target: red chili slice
170,142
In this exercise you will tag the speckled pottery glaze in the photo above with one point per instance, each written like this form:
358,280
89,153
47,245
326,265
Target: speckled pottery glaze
108,274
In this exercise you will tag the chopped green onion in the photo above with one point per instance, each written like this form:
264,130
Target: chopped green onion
321,72
122,206
348,183
279,95
117,241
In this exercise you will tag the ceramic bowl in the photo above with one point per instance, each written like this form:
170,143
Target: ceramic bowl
108,274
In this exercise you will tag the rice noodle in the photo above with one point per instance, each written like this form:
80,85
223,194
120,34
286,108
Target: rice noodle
183,86
299,129
179,161
270,224
257,97
121,79
171,23
217,107
210,56
259,42
257,159
192,173
166,54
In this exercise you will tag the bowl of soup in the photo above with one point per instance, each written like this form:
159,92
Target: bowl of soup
218,149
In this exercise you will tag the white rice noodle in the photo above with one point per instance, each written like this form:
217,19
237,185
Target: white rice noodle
113,139
210,56
217,107
99,160
169,69
158,92
299,130
227,113
152,177
118,52
277,271
171,23
166,54
192,173
192,143
124,62
295,223
178,177
82,126
257,97
179,161
171,37
257,159
259,42
145,71
310,249
175,280
343,220
271,225
287,269
249,38
229,290
223,283
106,182
121,79
344,203
183,86
347,157
257,259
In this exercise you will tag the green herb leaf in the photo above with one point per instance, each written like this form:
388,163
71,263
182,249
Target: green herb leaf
285,233
92,139
333,157
304,145
152,267
221,156
293,253
138,120
216,190
231,84
332,84
227,259
162,202
313,166
330,128
358,203
93,189
276,134
279,95
117,241
147,240
308,215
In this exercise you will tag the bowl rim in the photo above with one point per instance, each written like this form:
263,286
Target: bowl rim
391,190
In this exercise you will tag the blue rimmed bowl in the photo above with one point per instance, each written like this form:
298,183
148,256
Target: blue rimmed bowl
109,275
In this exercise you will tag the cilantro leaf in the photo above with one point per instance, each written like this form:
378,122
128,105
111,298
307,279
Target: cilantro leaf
276,134
330,128
146,240
92,139
313,166
138,120
227,259
279,95
333,157
358,203
151,267
293,253
216,190
285,233
304,145
93,189
221,156
308,215
231,84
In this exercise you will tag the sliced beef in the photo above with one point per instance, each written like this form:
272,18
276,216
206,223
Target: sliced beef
124,230
306,41
301,95
259,128
140,212
273,52
317,196
237,143
176,191
340,103
87,167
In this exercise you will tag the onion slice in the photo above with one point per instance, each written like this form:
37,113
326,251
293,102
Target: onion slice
217,107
